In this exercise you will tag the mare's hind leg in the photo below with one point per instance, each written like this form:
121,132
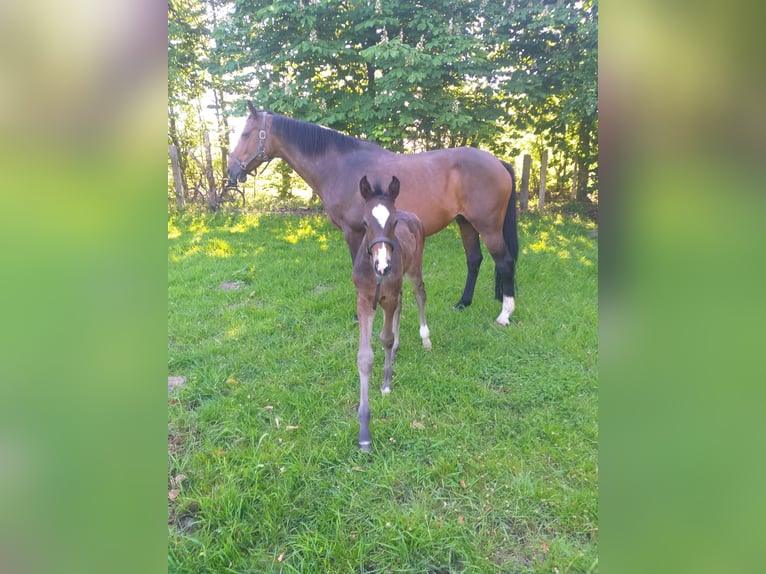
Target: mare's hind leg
473,258
504,272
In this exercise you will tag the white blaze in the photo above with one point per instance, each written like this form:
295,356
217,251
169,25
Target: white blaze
380,212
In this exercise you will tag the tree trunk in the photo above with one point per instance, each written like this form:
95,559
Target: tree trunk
177,177
371,81
212,196
181,158
527,166
583,162
573,193
223,130
285,171
543,171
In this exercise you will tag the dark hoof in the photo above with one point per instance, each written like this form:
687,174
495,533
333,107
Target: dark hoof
460,305
356,318
365,446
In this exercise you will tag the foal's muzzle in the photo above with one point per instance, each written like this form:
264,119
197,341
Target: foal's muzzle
384,270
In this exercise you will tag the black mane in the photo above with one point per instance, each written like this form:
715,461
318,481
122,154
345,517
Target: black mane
312,139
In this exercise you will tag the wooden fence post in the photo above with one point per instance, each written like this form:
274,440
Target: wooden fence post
525,182
543,170
177,179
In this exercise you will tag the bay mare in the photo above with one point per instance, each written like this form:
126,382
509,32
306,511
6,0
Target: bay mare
465,184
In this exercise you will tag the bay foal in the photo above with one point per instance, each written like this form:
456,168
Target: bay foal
392,247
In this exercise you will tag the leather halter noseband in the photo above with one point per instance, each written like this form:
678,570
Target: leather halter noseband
377,240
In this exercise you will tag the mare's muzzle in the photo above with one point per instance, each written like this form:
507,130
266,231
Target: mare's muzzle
236,174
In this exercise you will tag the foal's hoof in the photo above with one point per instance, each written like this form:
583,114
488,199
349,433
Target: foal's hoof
460,305
365,446
356,318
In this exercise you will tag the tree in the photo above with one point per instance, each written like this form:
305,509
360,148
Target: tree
392,71
399,72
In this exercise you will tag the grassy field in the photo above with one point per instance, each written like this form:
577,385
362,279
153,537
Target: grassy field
484,456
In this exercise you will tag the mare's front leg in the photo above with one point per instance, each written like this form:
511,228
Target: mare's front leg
391,308
364,360
353,239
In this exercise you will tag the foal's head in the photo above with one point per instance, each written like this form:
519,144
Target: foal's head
379,222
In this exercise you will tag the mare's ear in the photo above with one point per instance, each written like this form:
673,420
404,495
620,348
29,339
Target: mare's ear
251,107
364,188
393,188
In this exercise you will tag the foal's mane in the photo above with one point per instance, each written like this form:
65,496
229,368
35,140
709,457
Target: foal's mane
313,139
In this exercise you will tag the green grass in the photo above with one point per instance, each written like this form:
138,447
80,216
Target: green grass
484,456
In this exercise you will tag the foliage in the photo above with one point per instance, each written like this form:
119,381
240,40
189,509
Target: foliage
485,453
407,75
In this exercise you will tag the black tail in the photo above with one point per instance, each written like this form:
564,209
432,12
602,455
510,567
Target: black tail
511,237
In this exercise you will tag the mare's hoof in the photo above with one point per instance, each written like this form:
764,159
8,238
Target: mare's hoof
365,446
460,305
356,318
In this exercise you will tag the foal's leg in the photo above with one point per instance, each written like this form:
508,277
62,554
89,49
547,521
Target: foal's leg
395,325
364,360
473,258
387,339
419,289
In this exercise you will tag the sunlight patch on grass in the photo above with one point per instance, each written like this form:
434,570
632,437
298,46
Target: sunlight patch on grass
192,250
173,231
304,229
218,248
245,223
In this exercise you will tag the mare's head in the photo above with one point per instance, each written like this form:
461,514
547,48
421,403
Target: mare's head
379,222
250,151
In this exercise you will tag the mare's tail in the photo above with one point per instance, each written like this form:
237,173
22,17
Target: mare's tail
511,237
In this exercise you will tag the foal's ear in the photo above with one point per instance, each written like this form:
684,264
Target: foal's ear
251,107
393,188
364,187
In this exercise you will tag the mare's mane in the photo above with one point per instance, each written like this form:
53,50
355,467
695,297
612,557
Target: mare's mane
312,139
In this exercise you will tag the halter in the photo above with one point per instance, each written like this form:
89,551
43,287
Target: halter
261,154
377,240
378,278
